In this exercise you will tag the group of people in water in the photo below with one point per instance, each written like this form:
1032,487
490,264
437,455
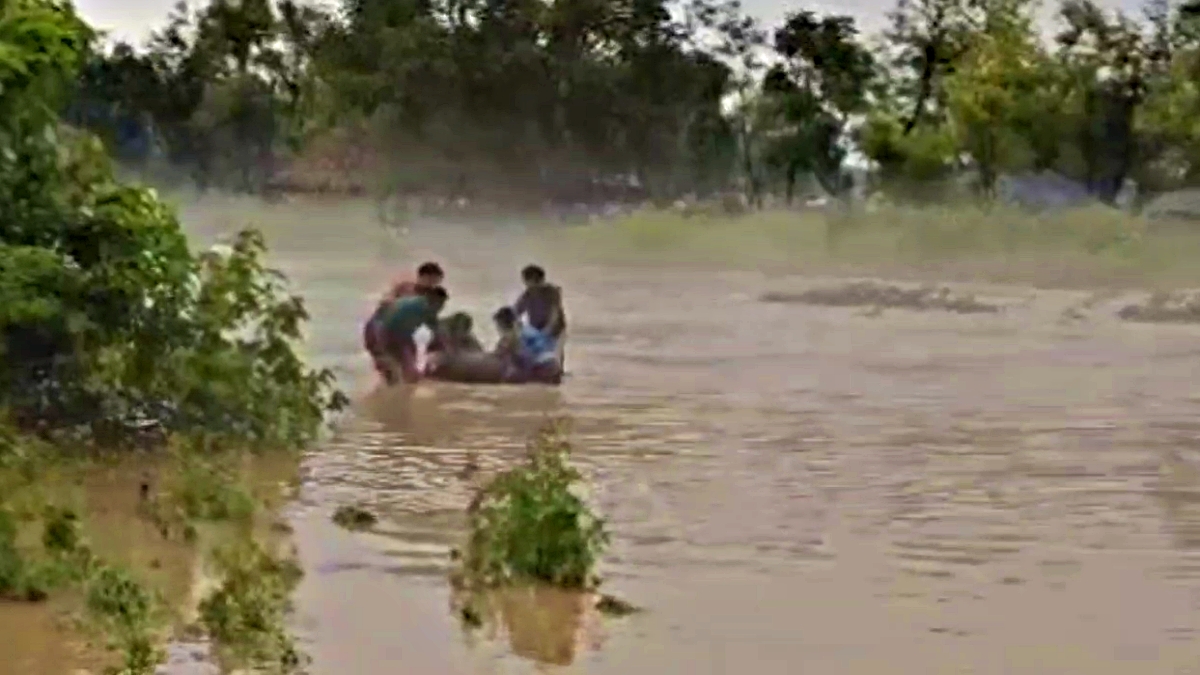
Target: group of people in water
530,347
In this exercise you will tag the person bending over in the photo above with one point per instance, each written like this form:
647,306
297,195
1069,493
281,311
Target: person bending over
429,275
402,320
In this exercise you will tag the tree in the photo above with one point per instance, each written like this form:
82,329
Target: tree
822,80
996,94
108,319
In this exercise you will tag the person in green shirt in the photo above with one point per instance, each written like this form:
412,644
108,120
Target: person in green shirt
400,322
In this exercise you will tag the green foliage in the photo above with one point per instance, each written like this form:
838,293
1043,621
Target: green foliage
246,614
435,96
109,320
528,525
112,332
129,614
201,488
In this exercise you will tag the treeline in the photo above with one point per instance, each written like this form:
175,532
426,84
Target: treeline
610,99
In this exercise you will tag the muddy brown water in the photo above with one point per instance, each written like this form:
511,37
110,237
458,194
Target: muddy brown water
790,488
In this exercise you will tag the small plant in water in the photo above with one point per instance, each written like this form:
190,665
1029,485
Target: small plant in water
130,615
610,605
355,518
528,525
200,489
246,615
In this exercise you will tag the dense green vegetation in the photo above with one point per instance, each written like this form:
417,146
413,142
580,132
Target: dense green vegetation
116,335
450,98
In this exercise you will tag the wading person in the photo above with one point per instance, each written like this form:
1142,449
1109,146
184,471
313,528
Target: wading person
429,275
405,316
542,307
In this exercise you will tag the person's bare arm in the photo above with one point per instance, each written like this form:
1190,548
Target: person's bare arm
556,312
505,346
522,304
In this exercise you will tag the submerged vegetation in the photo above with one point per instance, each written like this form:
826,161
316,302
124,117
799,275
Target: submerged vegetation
118,339
354,517
529,562
245,615
1174,307
881,297
530,525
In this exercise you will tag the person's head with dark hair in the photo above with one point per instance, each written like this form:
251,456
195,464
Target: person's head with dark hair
459,323
437,297
533,275
505,318
430,274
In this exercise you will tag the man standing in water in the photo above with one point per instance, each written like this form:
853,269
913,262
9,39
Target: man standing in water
429,275
542,306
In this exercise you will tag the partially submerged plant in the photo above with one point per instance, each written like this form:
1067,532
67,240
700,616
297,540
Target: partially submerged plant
354,518
246,615
610,605
199,489
528,525
130,615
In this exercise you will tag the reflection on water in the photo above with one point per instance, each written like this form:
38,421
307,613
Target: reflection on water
544,625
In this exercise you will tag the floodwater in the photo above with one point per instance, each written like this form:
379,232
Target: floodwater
790,488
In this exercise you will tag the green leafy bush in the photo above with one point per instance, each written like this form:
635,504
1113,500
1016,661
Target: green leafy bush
529,525
128,613
108,322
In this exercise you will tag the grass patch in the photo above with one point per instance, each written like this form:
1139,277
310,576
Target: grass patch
246,614
1084,246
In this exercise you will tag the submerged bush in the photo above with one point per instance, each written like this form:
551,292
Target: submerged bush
353,517
529,525
246,614
128,614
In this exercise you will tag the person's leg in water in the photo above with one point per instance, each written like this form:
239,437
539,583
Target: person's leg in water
402,359
373,340
560,350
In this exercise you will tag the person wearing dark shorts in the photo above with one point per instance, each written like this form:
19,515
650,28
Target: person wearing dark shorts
542,306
